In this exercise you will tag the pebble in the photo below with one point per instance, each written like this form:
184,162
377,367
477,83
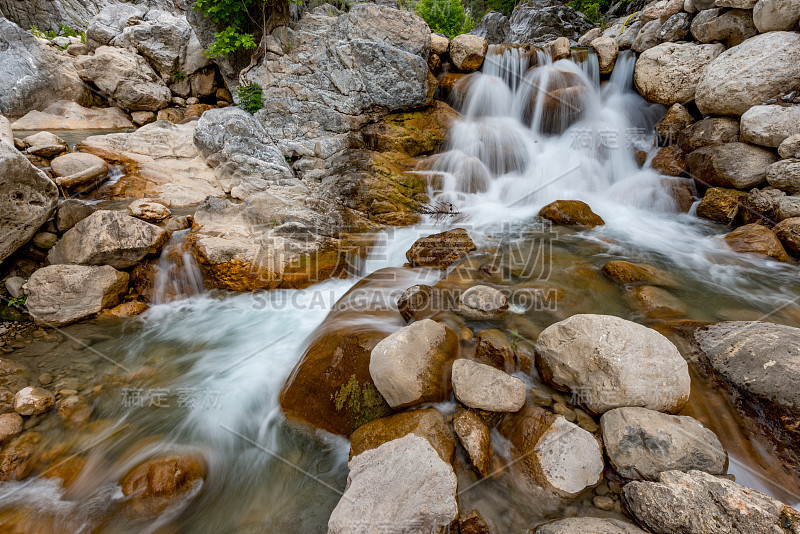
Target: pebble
568,414
465,334
45,378
771,101
602,489
789,97
603,502
586,422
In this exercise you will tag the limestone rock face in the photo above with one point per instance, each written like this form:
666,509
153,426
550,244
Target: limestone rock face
402,482
697,502
412,366
108,238
62,294
544,21
749,74
608,362
68,115
641,443
125,77
669,73
27,199
493,27
581,525
468,51
776,15
244,159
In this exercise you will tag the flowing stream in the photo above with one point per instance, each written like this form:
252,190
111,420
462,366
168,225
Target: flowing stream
204,371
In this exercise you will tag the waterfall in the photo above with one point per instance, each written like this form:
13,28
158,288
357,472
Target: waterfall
177,274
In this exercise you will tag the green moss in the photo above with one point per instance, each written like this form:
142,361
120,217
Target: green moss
362,401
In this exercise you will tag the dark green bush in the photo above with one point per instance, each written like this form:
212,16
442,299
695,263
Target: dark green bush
251,98
447,17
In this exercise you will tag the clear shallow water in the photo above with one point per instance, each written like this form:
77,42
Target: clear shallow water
208,369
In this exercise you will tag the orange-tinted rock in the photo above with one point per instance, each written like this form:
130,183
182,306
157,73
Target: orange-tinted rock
473,433
428,423
413,133
196,110
453,86
74,410
720,204
788,231
494,349
164,477
571,213
670,160
627,273
440,250
66,469
16,457
127,309
173,115
657,303
473,523
757,239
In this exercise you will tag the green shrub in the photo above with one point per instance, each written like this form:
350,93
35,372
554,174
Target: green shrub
592,9
447,17
251,98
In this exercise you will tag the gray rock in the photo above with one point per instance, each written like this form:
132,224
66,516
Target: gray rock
541,21
108,238
439,44
732,26
493,27
675,28
412,366
647,37
167,41
785,175
790,147
766,65
482,302
770,125
776,15
27,200
758,360
241,153
126,77
467,52
629,33
641,443
608,363
731,165
707,132
78,169
483,387
607,50
64,294
6,134
71,211
402,482
32,74
586,525
14,286
67,115
669,73
44,240
148,210
788,207
699,503
590,36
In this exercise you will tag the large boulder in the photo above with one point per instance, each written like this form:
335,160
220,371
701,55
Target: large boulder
77,169
68,115
675,28
412,366
608,362
483,387
244,159
790,147
571,213
32,74
647,37
542,21
494,26
64,294
757,360
126,77
642,443
785,175
670,72
776,15
733,26
551,453
428,423
607,50
731,165
160,161
326,77
108,238
402,482
748,74
756,239
770,125
720,204
27,199
699,503
584,525
709,131
166,40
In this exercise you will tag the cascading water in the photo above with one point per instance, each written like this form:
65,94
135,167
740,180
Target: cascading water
216,362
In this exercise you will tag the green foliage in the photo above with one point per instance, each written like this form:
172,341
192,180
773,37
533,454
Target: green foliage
251,98
236,16
18,302
515,337
447,17
592,9
503,6
63,31
179,76
364,402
